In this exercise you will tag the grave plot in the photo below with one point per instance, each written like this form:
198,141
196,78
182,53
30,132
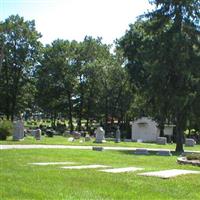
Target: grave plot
120,170
52,163
85,167
169,173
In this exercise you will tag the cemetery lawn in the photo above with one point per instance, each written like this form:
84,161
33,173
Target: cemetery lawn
60,140
22,181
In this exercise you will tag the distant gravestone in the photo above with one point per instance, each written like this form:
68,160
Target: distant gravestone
161,140
70,139
189,142
38,134
87,138
76,135
18,133
127,140
164,153
118,135
50,132
100,135
141,152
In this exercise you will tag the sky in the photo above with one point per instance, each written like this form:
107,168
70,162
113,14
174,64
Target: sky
74,19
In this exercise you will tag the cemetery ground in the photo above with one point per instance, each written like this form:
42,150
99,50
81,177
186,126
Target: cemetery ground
60,140
21,180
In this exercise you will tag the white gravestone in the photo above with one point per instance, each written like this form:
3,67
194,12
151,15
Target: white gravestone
168,130
18,133
100,135
145,129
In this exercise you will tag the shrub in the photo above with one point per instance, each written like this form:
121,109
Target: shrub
193,156
6,129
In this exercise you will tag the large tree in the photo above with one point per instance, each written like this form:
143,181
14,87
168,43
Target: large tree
57,79
19,55
165,52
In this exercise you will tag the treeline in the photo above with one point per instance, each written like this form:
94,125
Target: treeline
154,71
80,80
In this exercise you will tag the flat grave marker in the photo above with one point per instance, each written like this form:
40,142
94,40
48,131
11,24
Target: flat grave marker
52,163
120,170
169,173
85,167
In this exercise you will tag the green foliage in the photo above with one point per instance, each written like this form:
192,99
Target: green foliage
194,156
162,51
20,48
6,129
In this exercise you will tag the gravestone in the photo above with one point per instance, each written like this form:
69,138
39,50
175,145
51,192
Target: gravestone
38,134
97,148
189,142
144,129
18,133
127,140
76,135
118,135
87,138
50,132
70,139
100,135
164,153
141,152
161,140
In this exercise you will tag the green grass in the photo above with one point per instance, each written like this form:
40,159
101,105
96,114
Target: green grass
21,181
63,140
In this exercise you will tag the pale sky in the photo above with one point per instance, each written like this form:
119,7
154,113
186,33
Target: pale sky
74,19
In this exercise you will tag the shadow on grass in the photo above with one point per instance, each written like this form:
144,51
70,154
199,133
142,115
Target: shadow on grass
151,153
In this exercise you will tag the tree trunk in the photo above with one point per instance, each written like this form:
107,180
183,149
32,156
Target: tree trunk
70,112
88,114
179,136
80,111
161,130
106,116
13,106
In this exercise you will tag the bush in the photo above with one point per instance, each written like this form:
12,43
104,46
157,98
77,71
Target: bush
193,156
6,129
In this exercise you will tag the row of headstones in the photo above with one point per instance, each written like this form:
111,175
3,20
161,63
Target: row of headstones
18,133
99,134
189,142
100,138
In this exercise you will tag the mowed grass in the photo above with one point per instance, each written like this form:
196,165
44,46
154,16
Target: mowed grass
22,181
64,141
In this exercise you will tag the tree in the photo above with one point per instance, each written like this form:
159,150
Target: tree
57,79
167,56
19,55
88,56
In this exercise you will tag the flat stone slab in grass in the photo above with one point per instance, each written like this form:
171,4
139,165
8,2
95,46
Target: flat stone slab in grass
164,153
97,148
119,170
141,152
85,167
169,173
53,163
